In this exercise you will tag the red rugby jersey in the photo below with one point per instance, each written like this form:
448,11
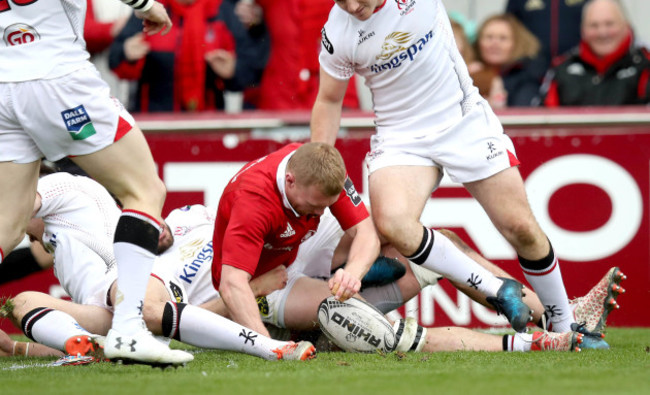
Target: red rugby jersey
255,231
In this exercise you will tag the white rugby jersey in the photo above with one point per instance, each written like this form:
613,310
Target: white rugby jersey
315,255
78,211
190,257
41,39
407,54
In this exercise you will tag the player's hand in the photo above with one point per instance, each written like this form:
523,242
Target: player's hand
344,285
270,281
155,19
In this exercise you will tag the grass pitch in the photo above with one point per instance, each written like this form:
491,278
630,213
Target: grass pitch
625,369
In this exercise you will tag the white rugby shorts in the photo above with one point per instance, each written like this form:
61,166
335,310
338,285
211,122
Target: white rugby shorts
66,116
82,272
314,260
473,149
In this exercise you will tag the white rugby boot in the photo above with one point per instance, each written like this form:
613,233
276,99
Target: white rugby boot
142,348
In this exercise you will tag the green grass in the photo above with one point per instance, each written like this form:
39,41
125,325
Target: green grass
625,369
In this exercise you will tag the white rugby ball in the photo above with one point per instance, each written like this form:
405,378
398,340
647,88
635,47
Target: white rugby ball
356,326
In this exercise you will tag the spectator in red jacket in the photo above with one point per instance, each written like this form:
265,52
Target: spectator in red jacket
104,21
185,70
606,68
290,80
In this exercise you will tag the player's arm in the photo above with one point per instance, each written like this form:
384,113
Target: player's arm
364,250
153,14
263,285
240,301
326,113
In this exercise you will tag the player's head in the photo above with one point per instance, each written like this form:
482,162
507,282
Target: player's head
166,238
315,177
360,9
35,229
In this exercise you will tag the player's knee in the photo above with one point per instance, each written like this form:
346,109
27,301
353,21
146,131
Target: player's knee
522,233
19,306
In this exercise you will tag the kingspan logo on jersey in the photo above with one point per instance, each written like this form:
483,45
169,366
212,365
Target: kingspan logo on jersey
78,123
190,269
396,50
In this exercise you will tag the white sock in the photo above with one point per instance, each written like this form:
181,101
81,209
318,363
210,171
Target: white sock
52,328
441,255
518,342
136,240
202,328
547,283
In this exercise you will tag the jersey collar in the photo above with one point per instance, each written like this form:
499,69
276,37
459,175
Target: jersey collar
380,7
280,181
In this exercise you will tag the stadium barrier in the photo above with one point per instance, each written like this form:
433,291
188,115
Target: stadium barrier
586,171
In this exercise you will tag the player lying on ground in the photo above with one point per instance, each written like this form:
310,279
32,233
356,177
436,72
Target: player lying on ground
295,306
74,220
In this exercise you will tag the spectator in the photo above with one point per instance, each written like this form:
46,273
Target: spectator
104,21
290,80
464,46
245,20
507,52
606,68
186,70
556,24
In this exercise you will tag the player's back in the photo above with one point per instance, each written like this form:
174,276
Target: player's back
41,39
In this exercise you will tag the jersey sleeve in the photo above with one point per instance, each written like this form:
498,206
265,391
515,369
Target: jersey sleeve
332,56
349,209
250,221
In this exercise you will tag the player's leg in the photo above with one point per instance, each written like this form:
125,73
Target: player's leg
201,328
463,339
397,196
57,323
126,169
503,198
301,304
16,202
530,297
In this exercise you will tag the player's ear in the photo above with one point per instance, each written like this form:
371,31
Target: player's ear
290,179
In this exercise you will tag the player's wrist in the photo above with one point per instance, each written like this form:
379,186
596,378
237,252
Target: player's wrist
139,5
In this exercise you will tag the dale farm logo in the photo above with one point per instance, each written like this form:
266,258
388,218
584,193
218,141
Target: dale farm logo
78,123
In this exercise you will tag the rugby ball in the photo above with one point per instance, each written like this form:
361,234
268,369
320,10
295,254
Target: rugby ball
356,326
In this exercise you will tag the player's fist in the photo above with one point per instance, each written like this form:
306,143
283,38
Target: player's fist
155,19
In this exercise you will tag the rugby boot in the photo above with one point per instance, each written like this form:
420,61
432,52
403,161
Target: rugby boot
556,341
593,308
383,271
84,345
142,348
509,302
300,351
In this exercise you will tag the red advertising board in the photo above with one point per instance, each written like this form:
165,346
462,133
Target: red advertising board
589,189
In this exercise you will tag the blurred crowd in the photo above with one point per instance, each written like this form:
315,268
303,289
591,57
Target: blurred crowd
233,55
